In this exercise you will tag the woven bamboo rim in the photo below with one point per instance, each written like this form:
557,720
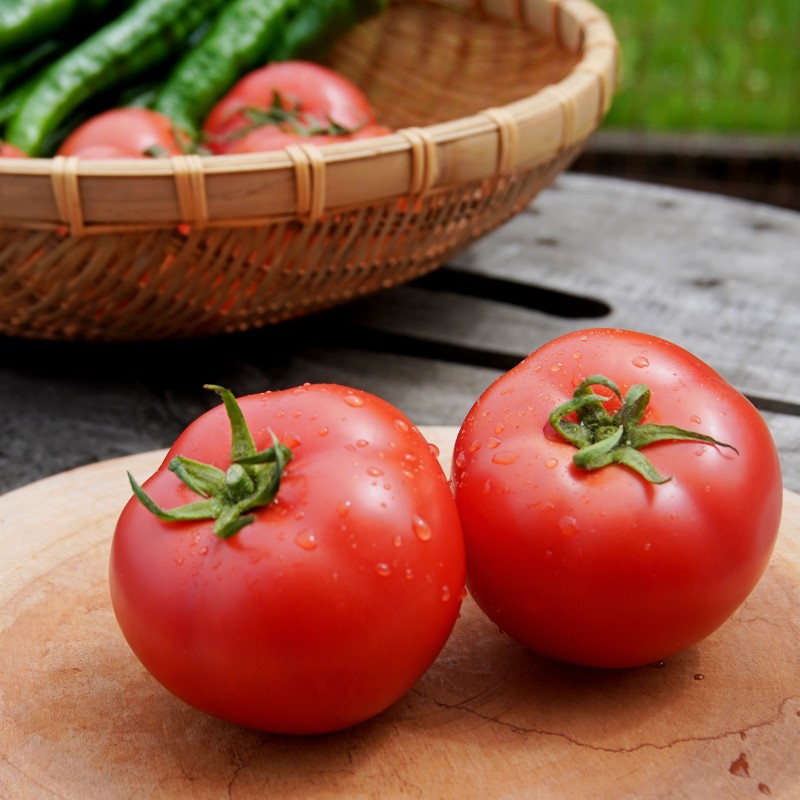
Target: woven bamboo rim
489,101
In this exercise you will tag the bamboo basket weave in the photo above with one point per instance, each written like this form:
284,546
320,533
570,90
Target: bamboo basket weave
489,102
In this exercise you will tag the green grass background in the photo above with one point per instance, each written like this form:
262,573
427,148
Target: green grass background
707,66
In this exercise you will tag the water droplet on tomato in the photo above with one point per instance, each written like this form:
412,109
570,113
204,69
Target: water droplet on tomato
505,457
306,540
401,425
203,551
698,676
694,418
475,446
300,389
577,355
568,526
498,429
383,569
446,594
397,540
507,390
461,458
641,362
323,431
362,443
488,486
375,472
291,439
557,367
537,368
409,573
421,529
433,449
344,508
700,451
551,463
354,400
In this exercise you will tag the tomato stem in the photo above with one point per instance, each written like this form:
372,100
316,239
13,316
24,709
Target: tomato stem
603,439
251,481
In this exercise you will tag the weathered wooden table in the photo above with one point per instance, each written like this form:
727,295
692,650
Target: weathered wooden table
720,277
80,717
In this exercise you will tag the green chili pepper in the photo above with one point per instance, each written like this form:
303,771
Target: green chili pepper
319,23
241,39
148,33
27,22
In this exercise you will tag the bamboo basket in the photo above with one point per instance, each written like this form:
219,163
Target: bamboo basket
489,102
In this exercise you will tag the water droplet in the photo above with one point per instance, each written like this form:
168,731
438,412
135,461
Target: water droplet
648,546
434,449
297,413
537,368
446,594
291,439
475,446
374,471
409,573
354,400
306,540
577,355
397,540
300,390
492,442
362,443
344,508
383,569
461,458
740,767
488,486
498,429
421,529
700,451
568,526
641,362
505,457
698,676
551,463
507,390
694,418
324,431
179,560
203,551
557,367
401,425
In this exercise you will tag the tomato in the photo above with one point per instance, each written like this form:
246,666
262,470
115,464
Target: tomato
128,132
600,564
296,98
314,611
271,137
8,150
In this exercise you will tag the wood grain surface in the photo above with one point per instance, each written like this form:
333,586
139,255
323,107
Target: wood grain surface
82,719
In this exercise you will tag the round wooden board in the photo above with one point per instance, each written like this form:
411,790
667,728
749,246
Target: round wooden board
82,719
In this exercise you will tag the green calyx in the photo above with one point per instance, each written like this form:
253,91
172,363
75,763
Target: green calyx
251,481
603,438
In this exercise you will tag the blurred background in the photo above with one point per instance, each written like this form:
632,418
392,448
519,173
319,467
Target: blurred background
709,98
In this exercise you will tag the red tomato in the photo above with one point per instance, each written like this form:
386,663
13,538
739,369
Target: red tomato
309,97
602,567
331,602
271,137
8,150
129,132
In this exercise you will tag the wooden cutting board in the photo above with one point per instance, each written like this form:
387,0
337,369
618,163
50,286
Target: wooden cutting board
80,718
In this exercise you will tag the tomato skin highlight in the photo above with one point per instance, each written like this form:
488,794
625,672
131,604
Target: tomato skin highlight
602,568
332,603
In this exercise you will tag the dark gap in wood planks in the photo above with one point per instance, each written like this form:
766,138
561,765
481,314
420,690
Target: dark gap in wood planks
501,290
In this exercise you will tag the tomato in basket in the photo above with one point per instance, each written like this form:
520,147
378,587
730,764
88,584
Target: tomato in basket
313,569
125,132
619,499
289,102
